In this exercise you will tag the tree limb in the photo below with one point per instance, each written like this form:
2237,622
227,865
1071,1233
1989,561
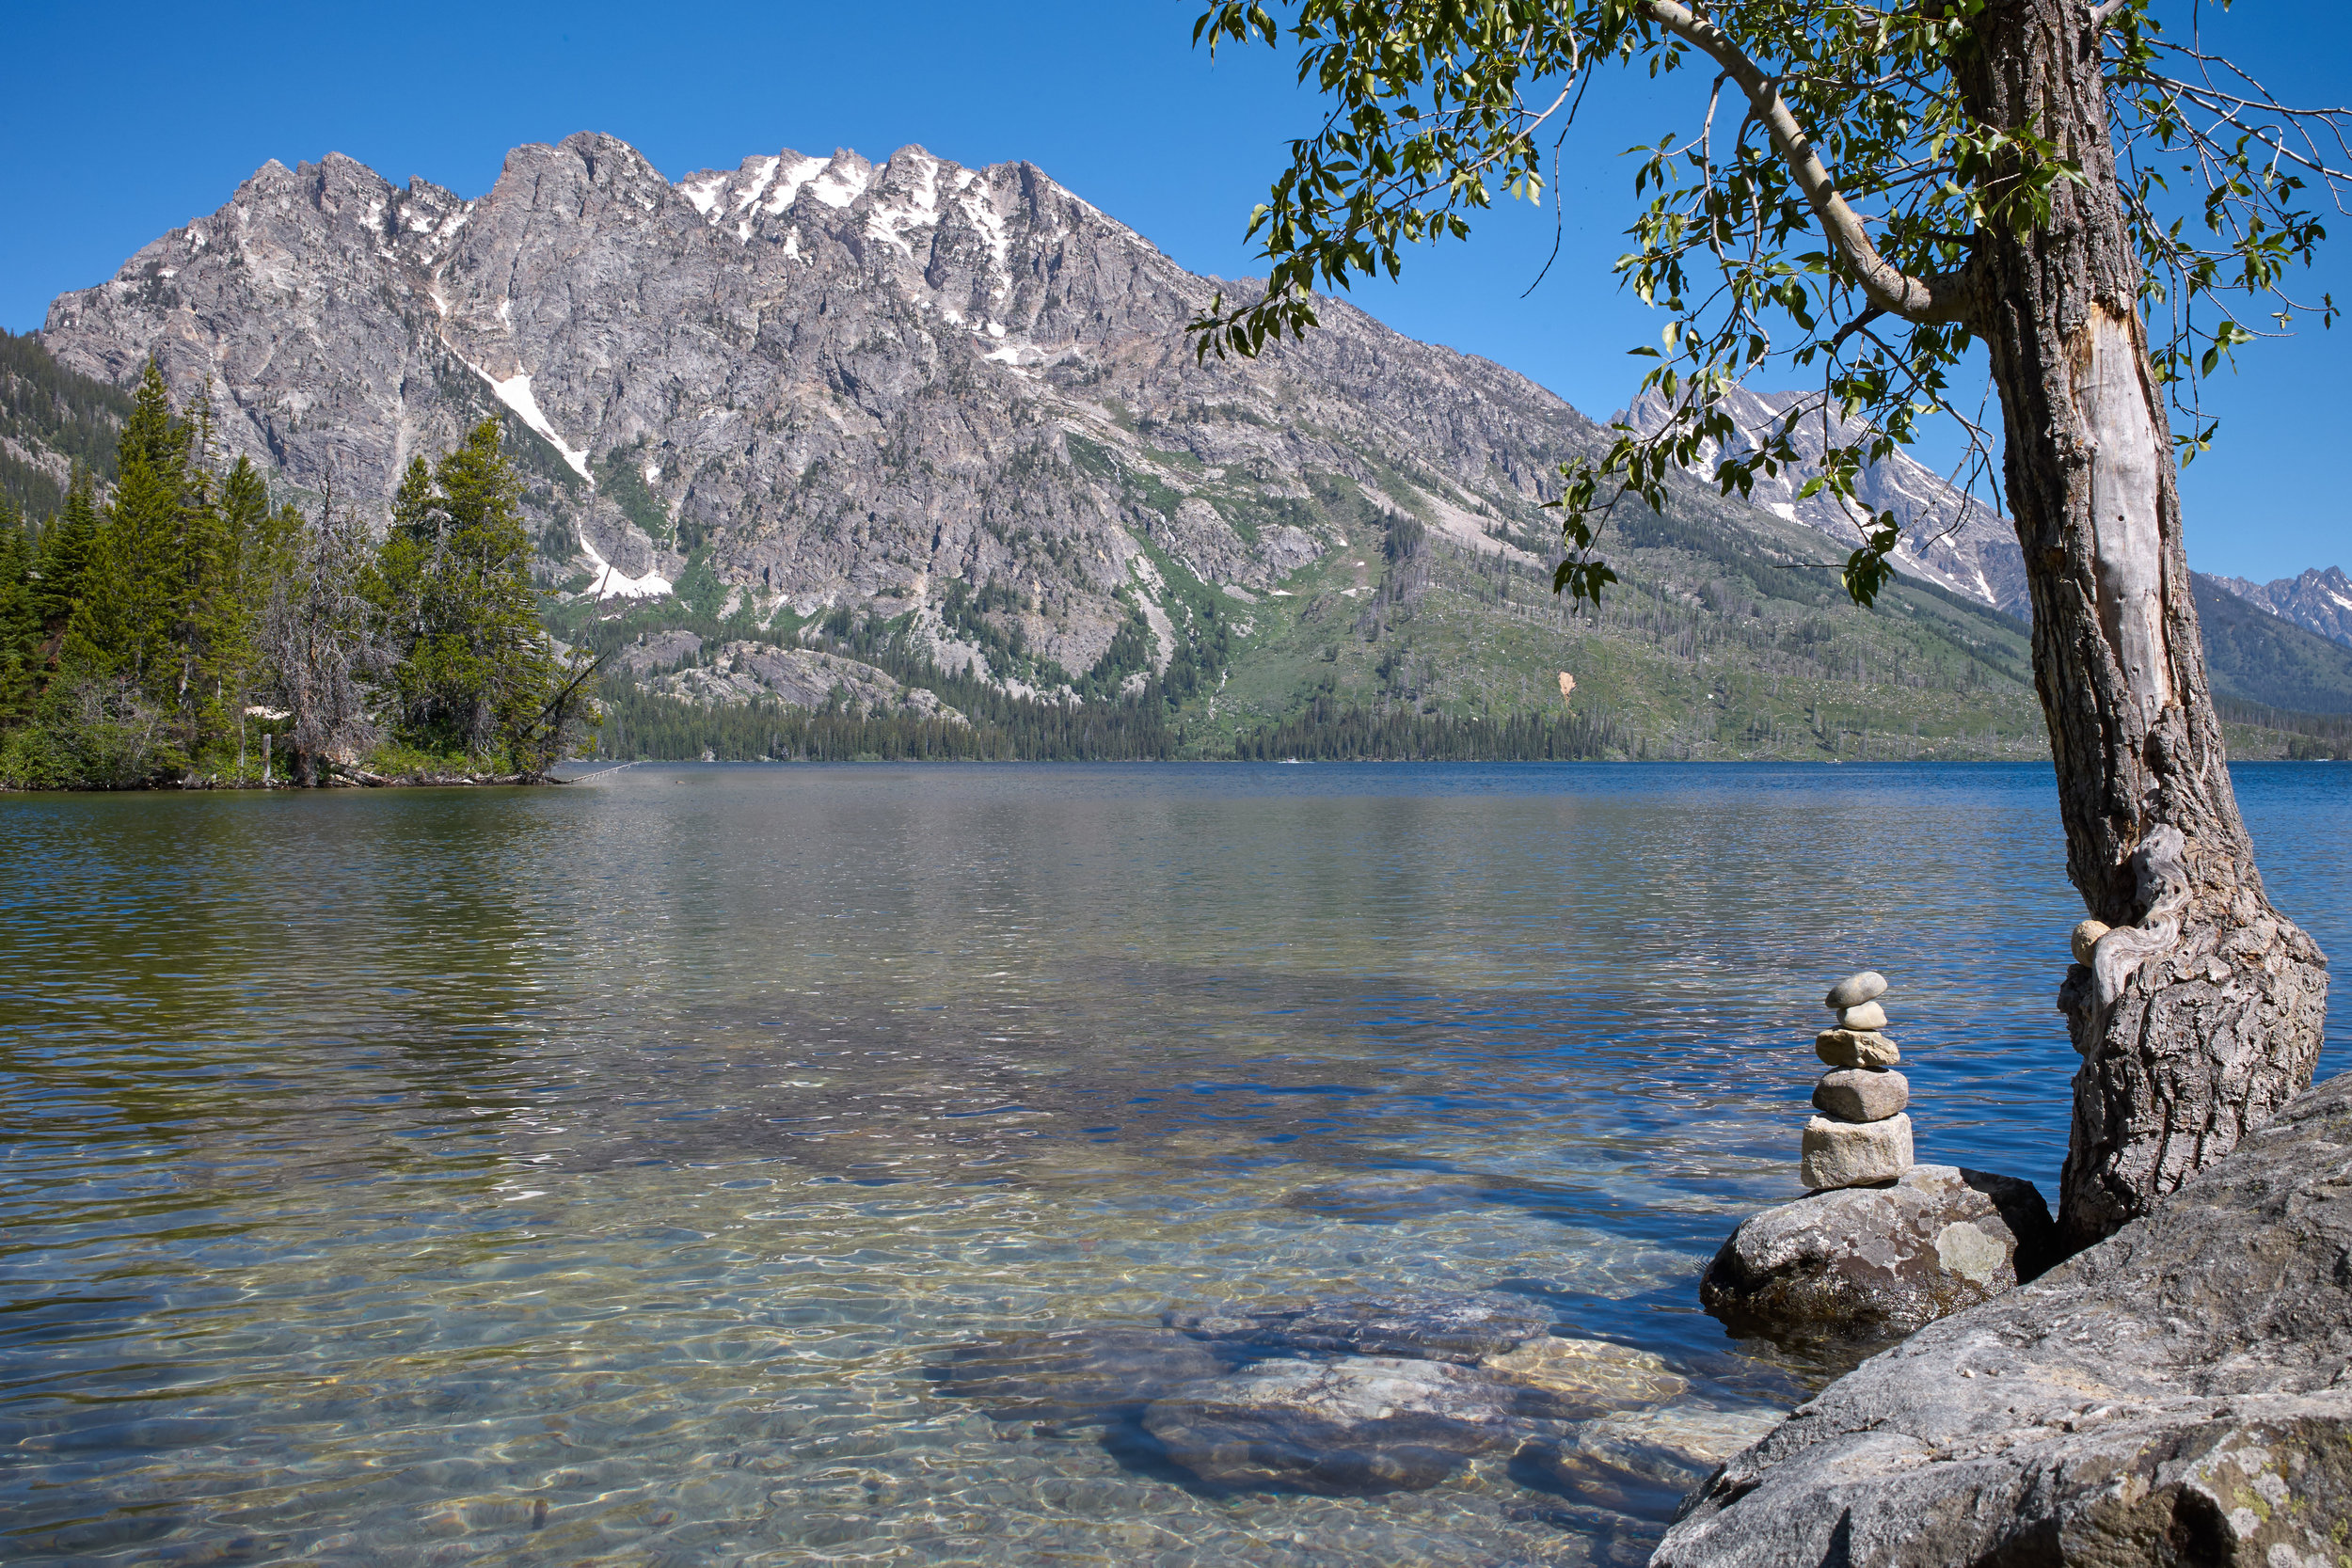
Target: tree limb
1888,287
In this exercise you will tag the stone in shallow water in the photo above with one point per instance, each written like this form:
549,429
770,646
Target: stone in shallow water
1871,1262
1851,1153
1853,1048
1360,1425
1861,1094
1854,989
1094,1374
2180,1393
1866,1016
1589,1370
1457,1328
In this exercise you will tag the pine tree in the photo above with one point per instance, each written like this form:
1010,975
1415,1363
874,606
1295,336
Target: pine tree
473,671
65,550
123,624
20,619
251,553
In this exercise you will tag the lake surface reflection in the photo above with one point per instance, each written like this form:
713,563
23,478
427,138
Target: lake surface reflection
597,1174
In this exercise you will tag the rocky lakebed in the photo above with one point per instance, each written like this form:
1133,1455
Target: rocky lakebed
1365,1396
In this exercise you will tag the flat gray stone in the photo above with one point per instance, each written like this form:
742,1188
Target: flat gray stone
1868,1016
1851,1153
1461,1328
2180,1394
1356,1426
1864,1263
1851,1048
1094,1374
1861,1094
1854,989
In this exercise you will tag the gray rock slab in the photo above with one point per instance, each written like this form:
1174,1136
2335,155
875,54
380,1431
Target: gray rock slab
1078,1376
1854,1153
1461,1328
1355,1426
1862,1263
1854,989
2181,1393
1861,1094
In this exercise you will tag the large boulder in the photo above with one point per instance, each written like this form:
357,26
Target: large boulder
1875,1263
2181,1393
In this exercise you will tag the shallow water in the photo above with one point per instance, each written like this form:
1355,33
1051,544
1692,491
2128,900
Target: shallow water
593,1175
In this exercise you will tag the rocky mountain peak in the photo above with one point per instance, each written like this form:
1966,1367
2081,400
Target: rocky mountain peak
1950,538
2318,600
824,379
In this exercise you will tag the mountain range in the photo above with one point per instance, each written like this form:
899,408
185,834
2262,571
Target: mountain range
791,405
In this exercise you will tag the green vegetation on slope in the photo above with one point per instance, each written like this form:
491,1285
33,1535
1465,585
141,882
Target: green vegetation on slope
45,408
2256,657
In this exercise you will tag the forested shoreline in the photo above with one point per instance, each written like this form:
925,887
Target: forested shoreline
188,631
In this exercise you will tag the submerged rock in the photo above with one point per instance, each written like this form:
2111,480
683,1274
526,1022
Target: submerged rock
1358,1425
1457,1328
2181,1393
1092,1374
1640,1463
1340,1395
1591,1371
1870,1262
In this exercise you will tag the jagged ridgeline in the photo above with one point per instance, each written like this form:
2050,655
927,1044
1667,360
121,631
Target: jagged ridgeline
843,458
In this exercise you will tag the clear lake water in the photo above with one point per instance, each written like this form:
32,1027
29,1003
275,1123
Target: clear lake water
599,1175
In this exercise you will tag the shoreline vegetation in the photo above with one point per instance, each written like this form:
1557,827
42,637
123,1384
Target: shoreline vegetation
171,624
188,633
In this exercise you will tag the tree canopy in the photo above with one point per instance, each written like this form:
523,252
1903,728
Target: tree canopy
1820,209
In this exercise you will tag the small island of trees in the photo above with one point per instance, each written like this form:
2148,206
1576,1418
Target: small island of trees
187,632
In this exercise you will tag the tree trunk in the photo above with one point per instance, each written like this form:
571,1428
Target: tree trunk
2201,1010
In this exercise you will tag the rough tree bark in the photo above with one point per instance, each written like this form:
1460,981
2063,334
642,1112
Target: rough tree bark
2201,1010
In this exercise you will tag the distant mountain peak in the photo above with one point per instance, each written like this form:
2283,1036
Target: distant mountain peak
2318,599
1950,538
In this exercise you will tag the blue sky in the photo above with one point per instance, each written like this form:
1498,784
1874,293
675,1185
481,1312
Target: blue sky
117,133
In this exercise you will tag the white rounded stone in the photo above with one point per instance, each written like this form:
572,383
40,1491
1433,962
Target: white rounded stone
1865,1015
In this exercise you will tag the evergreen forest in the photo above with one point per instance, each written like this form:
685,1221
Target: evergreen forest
185,629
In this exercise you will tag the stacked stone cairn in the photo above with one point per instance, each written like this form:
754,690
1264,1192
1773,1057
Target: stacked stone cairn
1862,1138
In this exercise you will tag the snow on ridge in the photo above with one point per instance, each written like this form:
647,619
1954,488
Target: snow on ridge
760,185
789,186
838,187
704,194
891,225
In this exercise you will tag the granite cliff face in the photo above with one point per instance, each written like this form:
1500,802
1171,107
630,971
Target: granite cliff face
850,383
